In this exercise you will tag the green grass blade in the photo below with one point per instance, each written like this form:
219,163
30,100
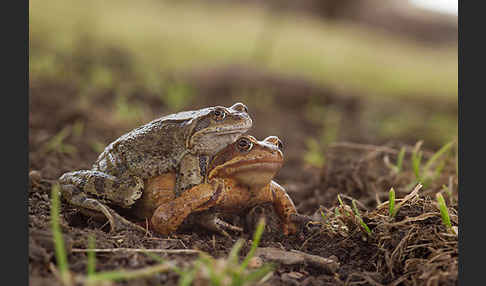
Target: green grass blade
233,255
336,212
416,159
57,140
91,264
439,169
401,155
356,212
391,202
78,128
118,275
340,200
208,263
323,216
258,274
186,277
444,213
59,249
254,245
438,154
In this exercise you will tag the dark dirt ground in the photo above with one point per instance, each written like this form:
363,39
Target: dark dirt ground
414,248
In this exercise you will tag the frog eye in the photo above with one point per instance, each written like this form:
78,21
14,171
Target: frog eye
219,114
244,144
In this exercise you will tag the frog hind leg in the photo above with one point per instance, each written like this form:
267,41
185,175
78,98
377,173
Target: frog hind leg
87,189
169,216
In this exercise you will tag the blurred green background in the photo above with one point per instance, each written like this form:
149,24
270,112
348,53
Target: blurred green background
312,73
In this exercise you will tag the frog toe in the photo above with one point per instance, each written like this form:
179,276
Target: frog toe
121,224
211,222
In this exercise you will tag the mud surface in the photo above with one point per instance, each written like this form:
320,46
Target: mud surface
413,248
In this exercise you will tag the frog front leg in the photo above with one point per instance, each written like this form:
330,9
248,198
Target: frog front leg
168,216
282,204
90,190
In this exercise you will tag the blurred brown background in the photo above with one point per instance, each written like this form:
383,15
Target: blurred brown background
311,72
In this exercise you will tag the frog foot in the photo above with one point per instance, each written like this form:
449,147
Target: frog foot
118,223
211,222
305,223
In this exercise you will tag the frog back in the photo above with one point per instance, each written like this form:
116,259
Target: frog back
149,150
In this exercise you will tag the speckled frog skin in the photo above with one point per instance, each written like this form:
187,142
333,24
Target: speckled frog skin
240,176
182,143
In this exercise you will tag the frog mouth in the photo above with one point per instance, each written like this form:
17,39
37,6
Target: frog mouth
255,165
230,132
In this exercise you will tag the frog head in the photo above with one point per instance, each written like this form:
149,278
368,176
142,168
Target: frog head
215,127
250,162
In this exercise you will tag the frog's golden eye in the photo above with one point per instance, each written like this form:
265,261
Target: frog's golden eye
244,144
219,114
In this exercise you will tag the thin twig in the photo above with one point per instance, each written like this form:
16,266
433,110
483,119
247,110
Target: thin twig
168,251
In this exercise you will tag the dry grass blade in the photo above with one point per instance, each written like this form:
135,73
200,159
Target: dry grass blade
408,197
413,219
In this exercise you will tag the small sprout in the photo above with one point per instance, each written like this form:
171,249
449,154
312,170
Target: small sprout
340,200
439,169
391,202
426,174
322,215
314,155
444,213
56,143
438,154
448,189
78,128
398,167
356,213
416,159
336,212
343,207
401,155
407,198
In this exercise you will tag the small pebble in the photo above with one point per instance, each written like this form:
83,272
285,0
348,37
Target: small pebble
295,275
35,175
255,262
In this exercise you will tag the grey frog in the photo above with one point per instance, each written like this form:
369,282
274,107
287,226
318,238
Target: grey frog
182,142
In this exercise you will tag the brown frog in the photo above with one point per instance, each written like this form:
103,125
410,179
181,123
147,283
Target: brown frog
239,177
181,143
